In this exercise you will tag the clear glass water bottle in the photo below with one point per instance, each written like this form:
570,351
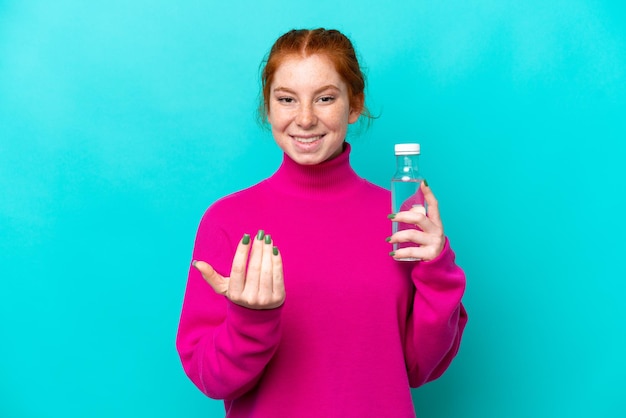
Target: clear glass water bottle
405,188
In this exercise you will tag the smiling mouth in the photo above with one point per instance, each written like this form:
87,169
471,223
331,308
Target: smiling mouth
307,139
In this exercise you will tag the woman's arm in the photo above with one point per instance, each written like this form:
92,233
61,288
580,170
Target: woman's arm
223,346
436,324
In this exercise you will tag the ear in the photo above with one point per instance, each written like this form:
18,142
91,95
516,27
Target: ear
268,116
358,102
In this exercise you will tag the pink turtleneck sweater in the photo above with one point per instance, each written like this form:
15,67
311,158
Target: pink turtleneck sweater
357,328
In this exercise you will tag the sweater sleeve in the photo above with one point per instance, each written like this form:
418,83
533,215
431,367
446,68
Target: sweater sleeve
224,348
436,324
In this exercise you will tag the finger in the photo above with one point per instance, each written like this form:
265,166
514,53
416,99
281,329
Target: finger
409,219
278,281
423,253
410,235
431,201
218,282
432,244
238,270
266,277
418,209
251,287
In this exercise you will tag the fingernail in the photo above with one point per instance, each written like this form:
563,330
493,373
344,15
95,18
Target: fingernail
388,239
193,263
275,250
391,216
246,239
268,239
392,253
260,234
425,183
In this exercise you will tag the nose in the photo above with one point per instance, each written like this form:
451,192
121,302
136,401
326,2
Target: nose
306,116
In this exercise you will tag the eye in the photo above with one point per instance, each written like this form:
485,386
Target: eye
327,99
285,99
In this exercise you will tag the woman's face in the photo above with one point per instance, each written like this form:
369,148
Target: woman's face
309,109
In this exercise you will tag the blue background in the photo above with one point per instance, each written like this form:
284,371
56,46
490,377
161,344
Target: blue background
120,122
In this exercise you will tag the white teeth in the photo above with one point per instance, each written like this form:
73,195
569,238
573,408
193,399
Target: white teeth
307,140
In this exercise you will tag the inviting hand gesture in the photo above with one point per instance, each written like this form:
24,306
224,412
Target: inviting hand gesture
255,283
429,236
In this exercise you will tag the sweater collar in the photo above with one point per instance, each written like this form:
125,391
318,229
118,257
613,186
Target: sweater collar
330,177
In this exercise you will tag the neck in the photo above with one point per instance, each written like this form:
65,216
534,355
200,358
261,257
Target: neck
328,178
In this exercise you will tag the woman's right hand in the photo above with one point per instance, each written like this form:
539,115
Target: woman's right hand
257,282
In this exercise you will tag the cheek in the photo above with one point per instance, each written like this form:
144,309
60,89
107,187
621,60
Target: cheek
341,120
278,119
335,118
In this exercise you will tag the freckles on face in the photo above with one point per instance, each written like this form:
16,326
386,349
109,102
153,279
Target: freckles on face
309,109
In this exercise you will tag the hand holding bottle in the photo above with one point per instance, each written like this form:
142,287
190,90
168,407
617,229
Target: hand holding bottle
256,281
429,235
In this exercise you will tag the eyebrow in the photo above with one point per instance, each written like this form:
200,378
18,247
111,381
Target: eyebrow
321,89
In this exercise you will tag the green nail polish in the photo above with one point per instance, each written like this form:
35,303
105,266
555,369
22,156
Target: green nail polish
246,239
268,239
391,216
275,250
260,234
388,239
392,253
425,183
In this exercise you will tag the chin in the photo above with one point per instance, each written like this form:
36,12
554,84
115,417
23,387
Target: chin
308,160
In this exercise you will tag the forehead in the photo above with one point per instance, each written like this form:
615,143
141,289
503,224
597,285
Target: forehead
310,70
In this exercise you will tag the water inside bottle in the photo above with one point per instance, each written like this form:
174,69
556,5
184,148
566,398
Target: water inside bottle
405,195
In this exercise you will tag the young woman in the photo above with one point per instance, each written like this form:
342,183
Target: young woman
330,325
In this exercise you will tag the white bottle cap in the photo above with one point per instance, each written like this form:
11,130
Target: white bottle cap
407,149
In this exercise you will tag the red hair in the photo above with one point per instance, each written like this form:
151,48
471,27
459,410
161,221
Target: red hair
328,42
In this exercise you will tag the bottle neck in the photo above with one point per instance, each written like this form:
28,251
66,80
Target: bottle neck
407,166
410,161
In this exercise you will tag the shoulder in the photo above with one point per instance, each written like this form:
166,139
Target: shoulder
375,191
231,205
223,223
372,200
